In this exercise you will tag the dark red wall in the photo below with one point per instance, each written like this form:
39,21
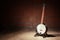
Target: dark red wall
28,13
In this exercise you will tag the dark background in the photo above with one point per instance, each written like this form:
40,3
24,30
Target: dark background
26,15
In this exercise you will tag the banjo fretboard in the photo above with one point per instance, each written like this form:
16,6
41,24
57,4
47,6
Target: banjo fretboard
42,17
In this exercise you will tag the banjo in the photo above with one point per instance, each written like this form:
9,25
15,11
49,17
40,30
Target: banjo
41,28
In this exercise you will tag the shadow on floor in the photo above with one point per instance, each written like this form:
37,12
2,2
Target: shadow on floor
53,35
50,35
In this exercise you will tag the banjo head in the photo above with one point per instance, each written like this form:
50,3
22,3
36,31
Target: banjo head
41,28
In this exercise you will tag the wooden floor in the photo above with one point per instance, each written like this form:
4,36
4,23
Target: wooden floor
29,35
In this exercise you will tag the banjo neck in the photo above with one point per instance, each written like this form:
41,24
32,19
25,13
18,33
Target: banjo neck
42,17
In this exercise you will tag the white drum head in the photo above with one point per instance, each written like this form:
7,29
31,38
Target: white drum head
41,28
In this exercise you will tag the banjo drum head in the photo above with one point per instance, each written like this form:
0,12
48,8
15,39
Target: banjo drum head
41,28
